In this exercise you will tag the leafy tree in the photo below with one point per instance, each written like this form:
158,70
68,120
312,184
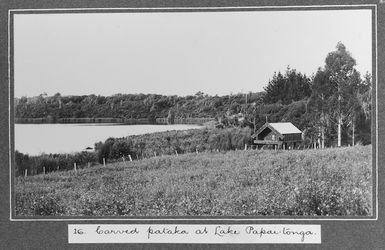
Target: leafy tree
120,148
365,95
292,86
171,117
340,66
353,107
363,120
318,104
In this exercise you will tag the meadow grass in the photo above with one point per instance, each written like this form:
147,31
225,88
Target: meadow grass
328,182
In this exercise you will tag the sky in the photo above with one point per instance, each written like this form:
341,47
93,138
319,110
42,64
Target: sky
179,53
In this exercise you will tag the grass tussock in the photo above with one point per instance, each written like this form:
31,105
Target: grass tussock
330,182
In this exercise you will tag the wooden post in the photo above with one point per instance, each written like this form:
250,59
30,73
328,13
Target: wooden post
43,170
129,156
245,147
26,172
75,166
104,162
58,168
176,152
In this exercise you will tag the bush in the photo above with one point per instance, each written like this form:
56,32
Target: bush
120,148
170,142
51,162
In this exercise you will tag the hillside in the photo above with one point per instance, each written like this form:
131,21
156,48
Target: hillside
330,182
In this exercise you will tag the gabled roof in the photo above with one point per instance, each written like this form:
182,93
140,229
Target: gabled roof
285,128
281,128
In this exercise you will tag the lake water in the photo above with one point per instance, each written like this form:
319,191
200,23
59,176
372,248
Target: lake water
35,139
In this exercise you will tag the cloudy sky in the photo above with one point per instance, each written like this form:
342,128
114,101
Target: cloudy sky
178,53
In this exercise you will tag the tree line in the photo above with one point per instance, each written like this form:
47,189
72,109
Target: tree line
130,106
333,106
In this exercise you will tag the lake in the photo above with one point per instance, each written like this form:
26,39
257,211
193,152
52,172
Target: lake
34,139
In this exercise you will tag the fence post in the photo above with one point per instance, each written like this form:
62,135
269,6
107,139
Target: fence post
129,156
58,168
75,166
176,152
26,172
104,162
43,170
245,147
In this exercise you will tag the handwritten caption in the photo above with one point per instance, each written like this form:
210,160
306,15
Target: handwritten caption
194,233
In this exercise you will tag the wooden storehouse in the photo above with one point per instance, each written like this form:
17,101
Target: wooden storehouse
277,135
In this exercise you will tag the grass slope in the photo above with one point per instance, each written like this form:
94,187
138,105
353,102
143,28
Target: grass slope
329,182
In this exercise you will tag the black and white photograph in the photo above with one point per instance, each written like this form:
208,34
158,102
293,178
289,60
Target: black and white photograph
193,113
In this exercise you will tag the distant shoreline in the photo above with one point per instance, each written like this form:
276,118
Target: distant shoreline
129,121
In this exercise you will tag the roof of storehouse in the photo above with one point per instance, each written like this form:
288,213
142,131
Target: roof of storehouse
285,128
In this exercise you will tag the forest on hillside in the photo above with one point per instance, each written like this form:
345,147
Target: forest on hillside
331,107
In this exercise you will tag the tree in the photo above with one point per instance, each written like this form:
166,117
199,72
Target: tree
365,95
171,116
339,64
292,86
353,106
363,119
318,102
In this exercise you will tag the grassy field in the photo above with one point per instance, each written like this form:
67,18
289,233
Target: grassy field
329,182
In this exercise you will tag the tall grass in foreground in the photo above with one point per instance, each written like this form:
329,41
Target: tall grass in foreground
330,182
